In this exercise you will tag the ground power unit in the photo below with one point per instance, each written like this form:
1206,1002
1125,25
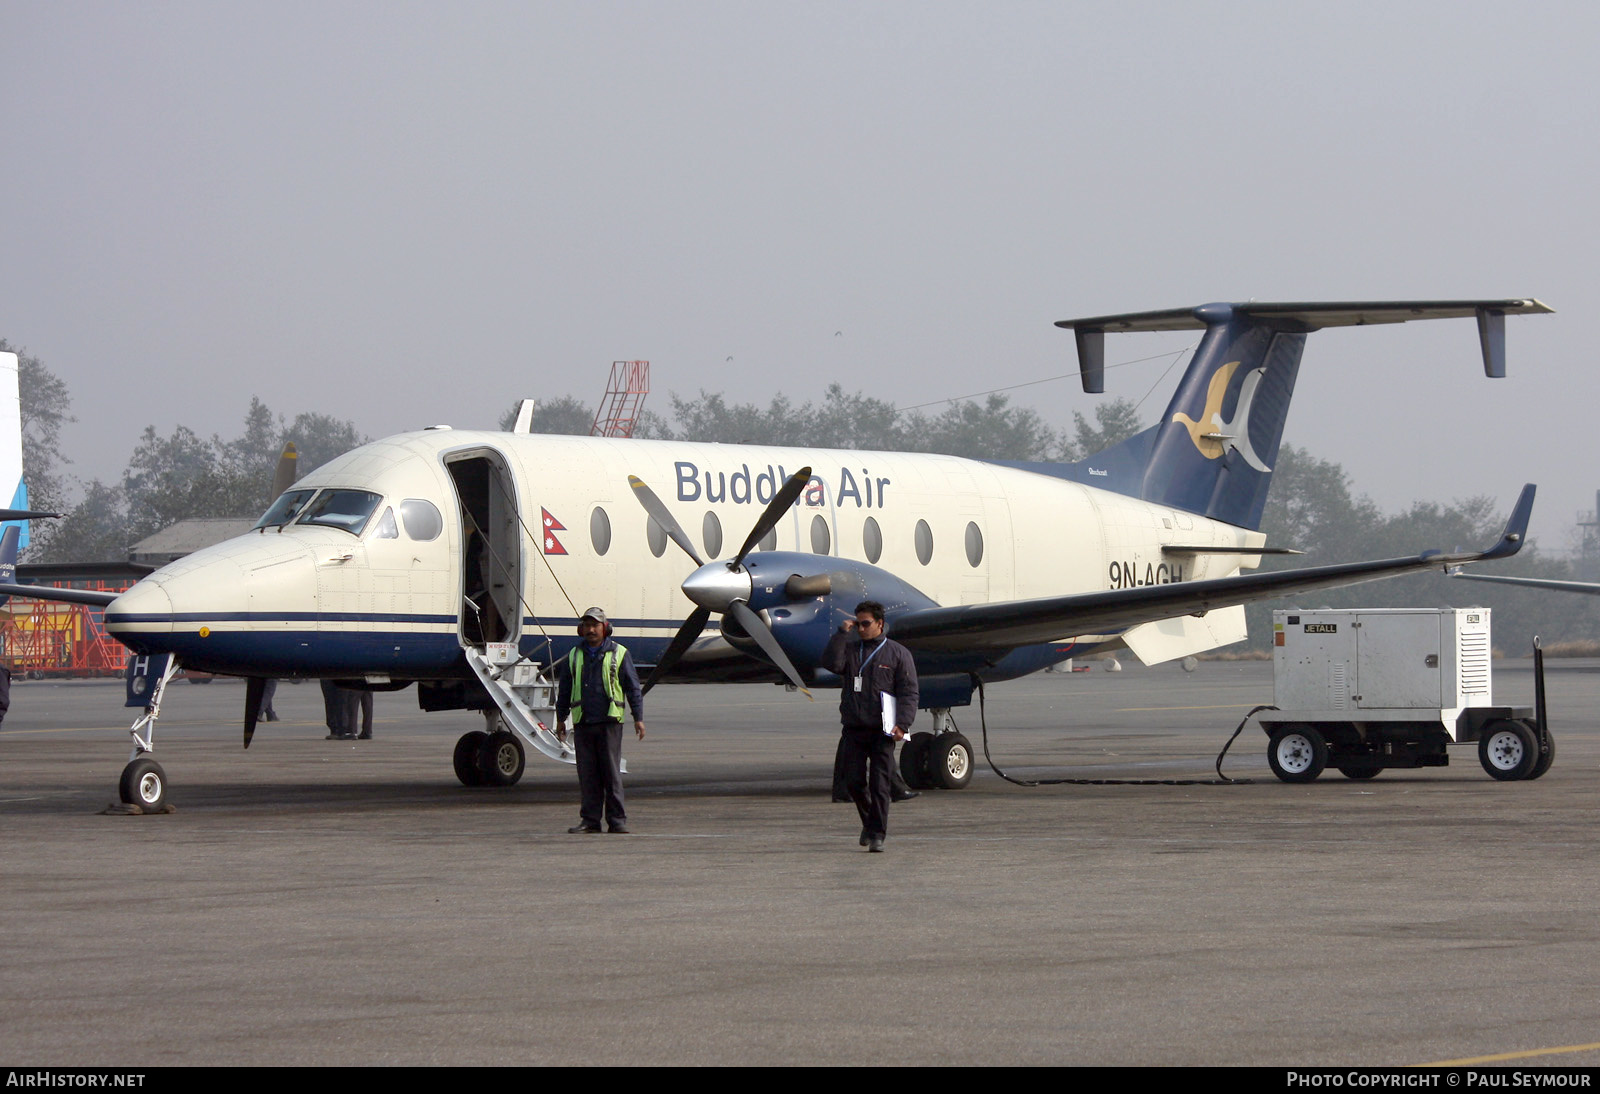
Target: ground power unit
1362,689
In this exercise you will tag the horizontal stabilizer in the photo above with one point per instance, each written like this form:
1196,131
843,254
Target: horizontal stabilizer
1299,318
1307,316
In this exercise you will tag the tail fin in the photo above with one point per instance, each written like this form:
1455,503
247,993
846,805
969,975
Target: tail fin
1214,449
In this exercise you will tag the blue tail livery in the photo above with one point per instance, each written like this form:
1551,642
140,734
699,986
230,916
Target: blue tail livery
1215,447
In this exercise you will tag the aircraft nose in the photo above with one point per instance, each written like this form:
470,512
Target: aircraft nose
144,609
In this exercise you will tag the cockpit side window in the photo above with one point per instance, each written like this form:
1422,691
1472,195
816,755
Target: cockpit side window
345,509
387,529
285,509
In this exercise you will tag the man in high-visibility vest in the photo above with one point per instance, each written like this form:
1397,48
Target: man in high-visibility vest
591,683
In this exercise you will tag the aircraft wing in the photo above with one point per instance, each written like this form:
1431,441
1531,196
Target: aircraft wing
59,596
82,571
1006,625
1589,587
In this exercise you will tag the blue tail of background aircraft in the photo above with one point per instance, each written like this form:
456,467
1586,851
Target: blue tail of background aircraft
8,557
1215,447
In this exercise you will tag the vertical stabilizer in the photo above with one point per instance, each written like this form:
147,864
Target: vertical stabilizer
13,494
8,556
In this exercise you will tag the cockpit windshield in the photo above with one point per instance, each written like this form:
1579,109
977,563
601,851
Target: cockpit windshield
285,509
346,509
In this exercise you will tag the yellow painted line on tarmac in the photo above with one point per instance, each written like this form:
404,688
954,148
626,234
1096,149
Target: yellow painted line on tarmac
1220,706
1502,1056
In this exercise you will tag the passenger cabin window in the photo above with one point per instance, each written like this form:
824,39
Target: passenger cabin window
924,540
974,544
872,540
285,509
656,536
821,540
769,541
600,530
421,519
348,510
387,528
711,531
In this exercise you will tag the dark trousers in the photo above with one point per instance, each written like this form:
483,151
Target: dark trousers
868,755
899,789
599,748
358,708
333,703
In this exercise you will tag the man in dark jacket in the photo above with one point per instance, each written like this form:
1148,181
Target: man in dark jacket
591,682
871,668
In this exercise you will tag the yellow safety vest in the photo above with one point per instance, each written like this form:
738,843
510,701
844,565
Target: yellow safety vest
610,674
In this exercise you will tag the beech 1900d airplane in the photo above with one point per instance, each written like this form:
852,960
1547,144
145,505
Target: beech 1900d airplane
458,560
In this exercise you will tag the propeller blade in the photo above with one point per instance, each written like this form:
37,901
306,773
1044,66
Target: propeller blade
762,634
288,468
680,643
663,516
254,688
774,511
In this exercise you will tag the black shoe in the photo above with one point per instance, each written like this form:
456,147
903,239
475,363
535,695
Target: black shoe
905,796
876,845
586,829
865,839
364,737
618,829
340,737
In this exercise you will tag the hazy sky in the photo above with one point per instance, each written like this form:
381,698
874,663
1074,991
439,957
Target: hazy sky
415,213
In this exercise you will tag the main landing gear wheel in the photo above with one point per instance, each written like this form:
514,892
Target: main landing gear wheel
914,761
144,784
950,761
502,759
1508,751
468,757
1297,754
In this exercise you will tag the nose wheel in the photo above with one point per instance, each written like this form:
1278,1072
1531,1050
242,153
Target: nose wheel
144,784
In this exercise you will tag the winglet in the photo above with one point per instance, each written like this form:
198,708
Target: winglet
1516,532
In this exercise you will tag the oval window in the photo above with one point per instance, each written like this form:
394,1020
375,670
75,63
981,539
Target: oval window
421,518
924,542
872,540
769,541
656,535
711,532
820,539
600,530
974,544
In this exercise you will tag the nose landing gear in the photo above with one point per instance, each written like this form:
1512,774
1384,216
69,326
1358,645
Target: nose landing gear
143,785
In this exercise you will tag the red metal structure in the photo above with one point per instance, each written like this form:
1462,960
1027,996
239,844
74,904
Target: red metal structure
618,413
43,639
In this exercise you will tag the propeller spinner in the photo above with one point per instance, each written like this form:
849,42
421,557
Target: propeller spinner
722,587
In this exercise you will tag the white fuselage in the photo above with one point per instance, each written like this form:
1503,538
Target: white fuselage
319,600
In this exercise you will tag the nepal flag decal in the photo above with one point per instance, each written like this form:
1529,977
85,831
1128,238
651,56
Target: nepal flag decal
552,545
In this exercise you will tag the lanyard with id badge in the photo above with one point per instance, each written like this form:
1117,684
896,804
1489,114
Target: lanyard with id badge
865,661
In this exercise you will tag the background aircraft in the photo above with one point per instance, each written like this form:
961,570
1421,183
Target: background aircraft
458,560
